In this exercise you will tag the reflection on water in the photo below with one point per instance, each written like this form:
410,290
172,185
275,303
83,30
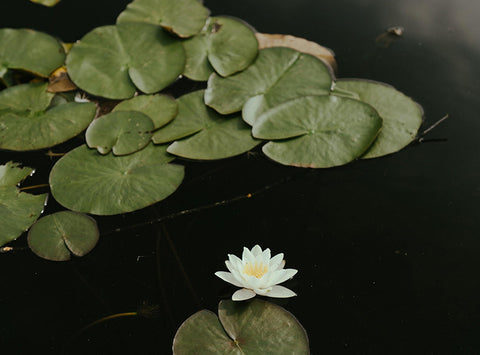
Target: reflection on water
387,249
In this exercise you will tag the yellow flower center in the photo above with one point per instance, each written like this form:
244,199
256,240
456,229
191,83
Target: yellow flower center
257,269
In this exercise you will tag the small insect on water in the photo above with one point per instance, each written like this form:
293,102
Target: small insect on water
385,39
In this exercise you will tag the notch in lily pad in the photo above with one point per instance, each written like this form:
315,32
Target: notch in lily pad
226,45
114,61
18,210
185,18
318,131
122,132
402,117
31,51
250,327
201,133
276,76
31,119
85,181
57,236
160,108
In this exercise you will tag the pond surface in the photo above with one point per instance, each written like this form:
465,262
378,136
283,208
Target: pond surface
388,250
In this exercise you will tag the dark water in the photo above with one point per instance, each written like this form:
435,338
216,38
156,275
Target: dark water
388,250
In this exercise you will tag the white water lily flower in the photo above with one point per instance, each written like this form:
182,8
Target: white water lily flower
258,274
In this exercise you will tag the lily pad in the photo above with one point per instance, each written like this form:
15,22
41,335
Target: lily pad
48,3
183,17
85,181
266,40
120,132
209,135
29,121
32,51
401,115
57,236
225,45
18,210
276,76
113,61
250,327
160,108
318,131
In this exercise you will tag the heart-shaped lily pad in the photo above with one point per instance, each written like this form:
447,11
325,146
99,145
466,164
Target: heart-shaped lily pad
250,327
276,76
401,115
318,131
32,51
122,132
209,135
57,236
48,3
183,17
113,61
226,45
85,181
18,210
28,121
160,108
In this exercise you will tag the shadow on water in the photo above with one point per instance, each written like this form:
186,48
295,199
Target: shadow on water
386,249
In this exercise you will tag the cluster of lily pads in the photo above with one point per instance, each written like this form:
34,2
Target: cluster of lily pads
284,98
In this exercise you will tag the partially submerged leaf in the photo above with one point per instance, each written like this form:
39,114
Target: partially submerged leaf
250,327
18,210
160,108
113,61
57,236
401,115
60,82
85,181
208,134
183,17
226,45
48,3
122,132
318,131
276,76
32,51
29,121
266,40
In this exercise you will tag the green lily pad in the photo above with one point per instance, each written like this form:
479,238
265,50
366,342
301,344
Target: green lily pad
160,108
29,121
250,327
113,61
318,131
57,236
122,132
48,3
226,45
276,76
32,51
85,181
18,210
208,134
183,17
401,115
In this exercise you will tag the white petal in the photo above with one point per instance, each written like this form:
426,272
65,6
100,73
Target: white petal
226,276
280,292
262,291
280,276
230,267
266,255
276,261
251,281
239,276
243,294
247,256
235,261
256,250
